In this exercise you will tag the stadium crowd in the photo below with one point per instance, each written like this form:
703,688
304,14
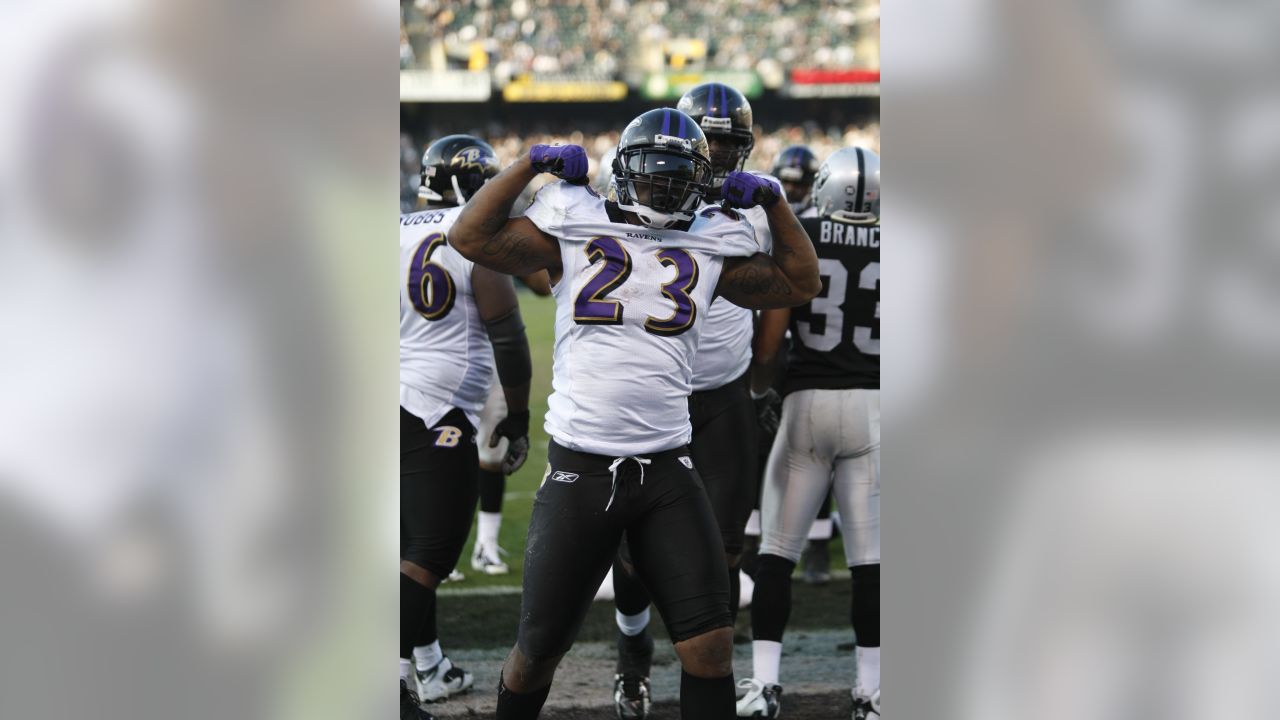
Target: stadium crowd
599,37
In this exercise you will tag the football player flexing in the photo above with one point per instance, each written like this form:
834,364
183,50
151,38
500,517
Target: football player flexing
457,320
632,280
721,411
797,167
829,436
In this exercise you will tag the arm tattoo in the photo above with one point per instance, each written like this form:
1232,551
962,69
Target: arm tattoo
753,279
512,249
493,223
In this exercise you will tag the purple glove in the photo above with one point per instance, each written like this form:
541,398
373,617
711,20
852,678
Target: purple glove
567,162
744,190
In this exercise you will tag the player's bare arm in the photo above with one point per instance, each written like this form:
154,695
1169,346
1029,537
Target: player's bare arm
496,302
787,278
539,283
771,328
487,235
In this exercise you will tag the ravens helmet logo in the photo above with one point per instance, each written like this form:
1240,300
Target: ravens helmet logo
472,157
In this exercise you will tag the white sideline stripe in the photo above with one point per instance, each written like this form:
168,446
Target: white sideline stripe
498,590
479,591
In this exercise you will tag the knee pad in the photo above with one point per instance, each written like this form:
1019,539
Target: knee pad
865,604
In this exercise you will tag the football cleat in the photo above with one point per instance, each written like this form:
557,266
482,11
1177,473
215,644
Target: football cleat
442,681
411,706
631,696
488,559
454,576
866,708
816,561
761,701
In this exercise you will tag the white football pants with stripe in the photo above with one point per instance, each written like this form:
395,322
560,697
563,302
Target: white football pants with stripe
826,439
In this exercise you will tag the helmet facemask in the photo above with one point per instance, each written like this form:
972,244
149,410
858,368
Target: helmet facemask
729,153
660,186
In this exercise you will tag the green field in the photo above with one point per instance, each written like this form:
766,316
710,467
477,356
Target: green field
539,319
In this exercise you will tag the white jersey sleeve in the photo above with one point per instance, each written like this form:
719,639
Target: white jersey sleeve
446,361
725,351
630,308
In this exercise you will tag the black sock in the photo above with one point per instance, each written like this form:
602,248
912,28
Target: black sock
865,610
771,601
735,592
520,706
629,594
413,603
635,654
707,699
750,555
492,484
427,632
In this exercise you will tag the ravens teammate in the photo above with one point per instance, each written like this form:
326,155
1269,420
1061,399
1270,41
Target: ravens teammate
796,167
829,436
451,313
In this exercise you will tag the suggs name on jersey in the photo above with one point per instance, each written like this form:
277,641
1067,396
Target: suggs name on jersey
421,218
836,233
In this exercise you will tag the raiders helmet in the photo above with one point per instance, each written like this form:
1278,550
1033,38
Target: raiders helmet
848,186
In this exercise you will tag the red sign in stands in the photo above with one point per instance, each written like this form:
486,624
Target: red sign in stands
825,77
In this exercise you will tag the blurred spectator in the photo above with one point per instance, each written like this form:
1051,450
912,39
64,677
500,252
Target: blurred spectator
595,38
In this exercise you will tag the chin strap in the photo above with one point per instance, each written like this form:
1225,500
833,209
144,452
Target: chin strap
457,191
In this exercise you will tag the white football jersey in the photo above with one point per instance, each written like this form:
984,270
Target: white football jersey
725,351
629,311
445,358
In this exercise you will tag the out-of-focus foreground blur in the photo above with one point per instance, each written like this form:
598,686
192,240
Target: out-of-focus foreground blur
197,448
197,357
1082,331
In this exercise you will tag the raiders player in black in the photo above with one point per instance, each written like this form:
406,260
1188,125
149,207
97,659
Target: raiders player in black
829,436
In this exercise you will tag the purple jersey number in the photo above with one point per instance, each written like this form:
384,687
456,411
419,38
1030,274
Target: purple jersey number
678,292
593,308
430,288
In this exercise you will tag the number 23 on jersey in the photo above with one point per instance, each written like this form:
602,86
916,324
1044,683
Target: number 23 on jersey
593,307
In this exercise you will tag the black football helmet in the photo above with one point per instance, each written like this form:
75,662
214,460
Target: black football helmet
796,166
457,164
661,169
725,116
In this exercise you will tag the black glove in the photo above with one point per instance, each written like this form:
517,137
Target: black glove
515,428
768,412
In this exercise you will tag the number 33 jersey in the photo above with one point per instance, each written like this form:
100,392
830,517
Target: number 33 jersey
630,308
445,357
836,336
